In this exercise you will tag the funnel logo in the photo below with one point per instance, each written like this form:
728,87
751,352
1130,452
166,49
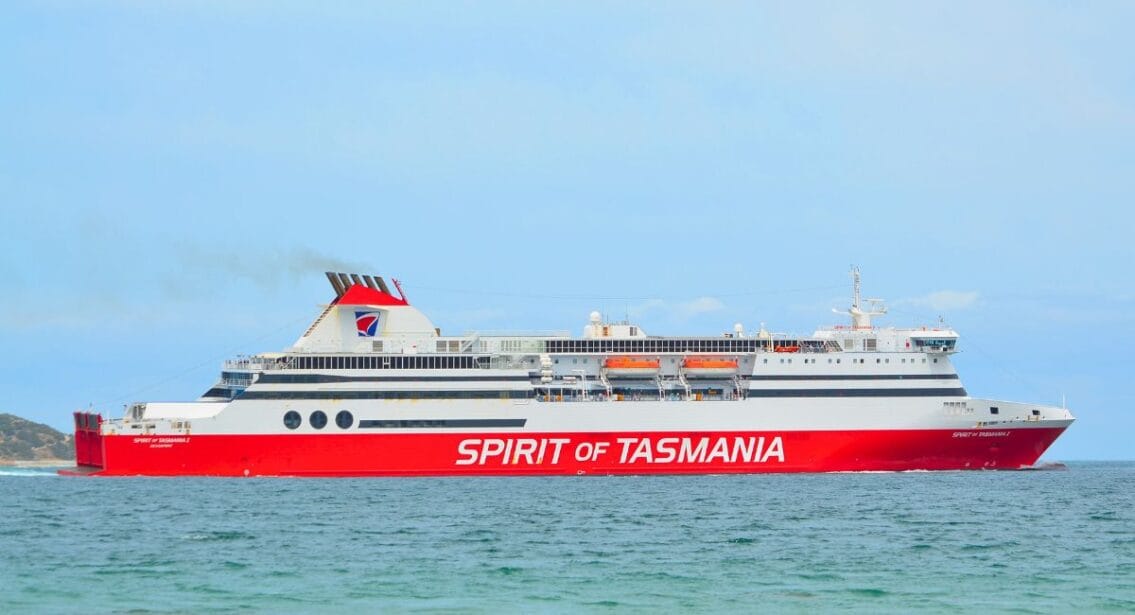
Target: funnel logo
366,323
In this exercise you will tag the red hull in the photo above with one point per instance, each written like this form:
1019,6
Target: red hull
454,454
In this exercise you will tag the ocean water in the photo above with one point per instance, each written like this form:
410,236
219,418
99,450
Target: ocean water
1020,542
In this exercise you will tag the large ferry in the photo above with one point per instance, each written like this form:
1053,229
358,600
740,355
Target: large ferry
372,388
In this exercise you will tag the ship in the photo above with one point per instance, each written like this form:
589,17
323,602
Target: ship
373,388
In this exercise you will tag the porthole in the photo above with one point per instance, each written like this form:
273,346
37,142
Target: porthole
344,419
292,419
318,419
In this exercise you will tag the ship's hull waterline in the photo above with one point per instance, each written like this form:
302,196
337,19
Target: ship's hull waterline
474,454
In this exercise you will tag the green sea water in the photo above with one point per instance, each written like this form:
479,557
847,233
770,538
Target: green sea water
1020,542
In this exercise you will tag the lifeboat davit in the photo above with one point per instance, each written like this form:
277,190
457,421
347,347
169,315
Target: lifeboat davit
636,367
705,367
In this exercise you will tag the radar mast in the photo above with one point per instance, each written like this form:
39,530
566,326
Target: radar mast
860,318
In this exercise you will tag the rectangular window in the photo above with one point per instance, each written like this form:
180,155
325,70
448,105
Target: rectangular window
994,410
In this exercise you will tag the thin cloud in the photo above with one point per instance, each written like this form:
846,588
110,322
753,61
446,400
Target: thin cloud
676,311
943,300
701,305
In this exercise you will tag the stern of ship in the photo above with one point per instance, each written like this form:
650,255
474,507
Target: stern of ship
88,445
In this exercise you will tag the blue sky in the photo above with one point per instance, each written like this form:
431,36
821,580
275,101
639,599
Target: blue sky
174,178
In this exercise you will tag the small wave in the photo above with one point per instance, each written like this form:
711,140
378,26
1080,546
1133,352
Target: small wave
1105,516
219,536
869,592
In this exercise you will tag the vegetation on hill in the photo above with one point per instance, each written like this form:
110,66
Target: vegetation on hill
23,440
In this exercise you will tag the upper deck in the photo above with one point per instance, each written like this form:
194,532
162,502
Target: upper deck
367,330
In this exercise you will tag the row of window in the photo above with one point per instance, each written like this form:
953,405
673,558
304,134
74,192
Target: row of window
389,362
853,360
318,419
236,378
471,362
725,344
408,395
300,378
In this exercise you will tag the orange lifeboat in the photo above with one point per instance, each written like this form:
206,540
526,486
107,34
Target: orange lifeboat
786,349
632,366
709,367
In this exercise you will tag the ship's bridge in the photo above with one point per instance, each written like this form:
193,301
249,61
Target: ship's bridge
934,340
890,339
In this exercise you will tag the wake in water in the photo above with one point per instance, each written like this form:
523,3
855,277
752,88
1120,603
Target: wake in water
29,472
1047,465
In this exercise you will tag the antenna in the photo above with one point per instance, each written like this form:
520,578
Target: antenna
397,285
860,318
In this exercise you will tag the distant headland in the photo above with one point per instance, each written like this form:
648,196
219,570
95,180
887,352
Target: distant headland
26,443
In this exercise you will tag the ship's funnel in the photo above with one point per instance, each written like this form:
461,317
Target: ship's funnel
343,283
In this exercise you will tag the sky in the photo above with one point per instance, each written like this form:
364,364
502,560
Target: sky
176,176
